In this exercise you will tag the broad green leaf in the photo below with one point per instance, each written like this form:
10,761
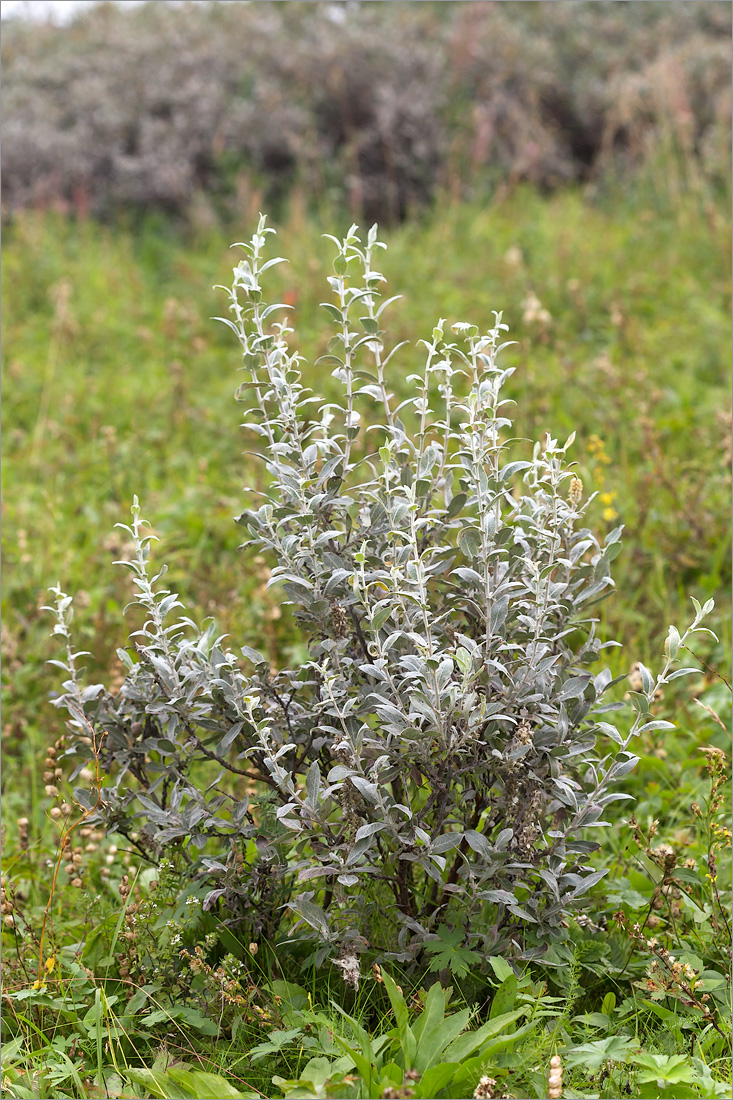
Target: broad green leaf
449,953
293,997
592,1056
501,967
664,1069
204,1085
433,1012
436,1040
434,1080
182,1083
466,1044
594,1019
504,997
399,1007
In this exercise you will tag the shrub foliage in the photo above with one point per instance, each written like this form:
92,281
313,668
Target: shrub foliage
372,103
426,774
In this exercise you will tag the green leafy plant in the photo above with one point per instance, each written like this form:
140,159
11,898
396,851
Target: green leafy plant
434,759
432,1055
616,1061
183,1082
448,952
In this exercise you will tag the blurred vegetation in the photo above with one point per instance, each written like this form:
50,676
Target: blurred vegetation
200,108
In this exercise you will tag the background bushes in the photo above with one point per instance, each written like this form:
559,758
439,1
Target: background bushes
381,105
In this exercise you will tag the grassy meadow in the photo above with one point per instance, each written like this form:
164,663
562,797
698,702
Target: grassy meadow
117,381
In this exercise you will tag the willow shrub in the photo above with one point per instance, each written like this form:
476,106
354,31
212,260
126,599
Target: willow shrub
430,777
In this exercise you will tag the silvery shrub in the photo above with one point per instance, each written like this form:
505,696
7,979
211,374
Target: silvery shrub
438,764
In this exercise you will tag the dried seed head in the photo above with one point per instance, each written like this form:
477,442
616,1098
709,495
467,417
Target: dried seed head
667,856
339,621
575,493
635,681
485,1089
348,964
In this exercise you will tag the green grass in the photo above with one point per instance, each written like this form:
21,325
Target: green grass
117,382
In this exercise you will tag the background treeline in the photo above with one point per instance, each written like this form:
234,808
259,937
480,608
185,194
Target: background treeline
380,105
